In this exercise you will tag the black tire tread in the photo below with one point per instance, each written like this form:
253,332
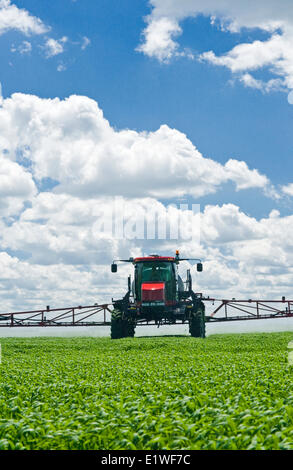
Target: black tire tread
197,323
121,328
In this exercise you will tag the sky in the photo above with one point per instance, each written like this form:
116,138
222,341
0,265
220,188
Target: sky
137,106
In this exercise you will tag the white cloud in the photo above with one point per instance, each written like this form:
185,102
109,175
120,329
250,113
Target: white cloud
16,187
253,258
71,142
85,43
63,255
288,189
242,256
159,41
290,97
24,48
14,18
251,56
275,53
67,229
234,14
14,180
276,18
61,68
64,231
275,84
243,177
35,286
54,47
228,224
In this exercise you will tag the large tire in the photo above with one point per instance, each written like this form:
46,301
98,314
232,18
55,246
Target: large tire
121,328
197,327
117,324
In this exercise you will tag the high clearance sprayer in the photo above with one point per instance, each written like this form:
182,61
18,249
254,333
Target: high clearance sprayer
156,296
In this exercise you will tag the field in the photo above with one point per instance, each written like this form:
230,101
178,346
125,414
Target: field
223,392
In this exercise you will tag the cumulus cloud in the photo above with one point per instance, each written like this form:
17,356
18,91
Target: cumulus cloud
85,42
71,142
159,41
16,187
275,53
275,84
217,223
62,238
14,18
245,256
24,48
61,68
56,246
288,189
63,228
275,18
54,47
242,256
35,286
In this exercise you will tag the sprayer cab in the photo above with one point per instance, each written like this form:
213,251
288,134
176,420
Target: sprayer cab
154,281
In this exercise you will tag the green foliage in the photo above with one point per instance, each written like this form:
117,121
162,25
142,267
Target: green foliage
222,392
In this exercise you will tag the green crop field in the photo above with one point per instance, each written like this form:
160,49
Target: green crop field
222,392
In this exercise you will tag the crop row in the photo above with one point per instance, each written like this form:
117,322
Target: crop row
223,392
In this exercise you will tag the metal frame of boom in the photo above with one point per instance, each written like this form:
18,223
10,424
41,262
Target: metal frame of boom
100,315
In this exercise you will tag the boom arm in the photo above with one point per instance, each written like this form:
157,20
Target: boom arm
99,315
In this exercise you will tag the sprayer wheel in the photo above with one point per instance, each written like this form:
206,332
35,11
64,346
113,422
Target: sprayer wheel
197,323
117,325
120,327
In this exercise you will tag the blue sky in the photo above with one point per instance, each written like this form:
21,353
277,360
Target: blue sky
171,104
222,119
